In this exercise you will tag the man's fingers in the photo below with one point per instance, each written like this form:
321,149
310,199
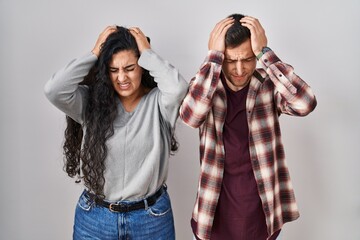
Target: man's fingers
251,23
219,27
217,35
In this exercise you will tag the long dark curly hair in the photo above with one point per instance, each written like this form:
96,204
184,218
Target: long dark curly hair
89,146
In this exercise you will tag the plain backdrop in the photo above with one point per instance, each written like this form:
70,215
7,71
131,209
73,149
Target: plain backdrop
319,38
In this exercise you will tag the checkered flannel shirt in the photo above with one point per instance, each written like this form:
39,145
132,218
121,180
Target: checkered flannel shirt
274,89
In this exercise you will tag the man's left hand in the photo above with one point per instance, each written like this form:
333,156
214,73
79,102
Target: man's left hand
258,37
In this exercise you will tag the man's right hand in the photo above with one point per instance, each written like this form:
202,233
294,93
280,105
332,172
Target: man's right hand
217,36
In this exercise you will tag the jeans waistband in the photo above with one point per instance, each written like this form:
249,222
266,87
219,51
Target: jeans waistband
127,207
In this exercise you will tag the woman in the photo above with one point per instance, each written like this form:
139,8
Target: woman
119,135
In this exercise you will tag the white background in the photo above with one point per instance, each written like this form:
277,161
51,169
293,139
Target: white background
320,39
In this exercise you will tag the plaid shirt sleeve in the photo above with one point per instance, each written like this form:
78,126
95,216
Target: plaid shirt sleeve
281,91
204,107
292,95
198,101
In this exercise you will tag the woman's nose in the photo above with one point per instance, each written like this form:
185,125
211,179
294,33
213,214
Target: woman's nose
121,76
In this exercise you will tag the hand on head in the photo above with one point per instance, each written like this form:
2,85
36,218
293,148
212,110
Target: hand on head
101,39
217,36
258,37
140,38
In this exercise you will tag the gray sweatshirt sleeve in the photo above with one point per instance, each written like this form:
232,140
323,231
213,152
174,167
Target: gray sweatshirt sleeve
63,88
171,84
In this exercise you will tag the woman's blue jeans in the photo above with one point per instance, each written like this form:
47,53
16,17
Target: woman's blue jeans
98,223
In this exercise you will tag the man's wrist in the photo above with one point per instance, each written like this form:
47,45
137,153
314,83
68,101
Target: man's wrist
215,56
262,52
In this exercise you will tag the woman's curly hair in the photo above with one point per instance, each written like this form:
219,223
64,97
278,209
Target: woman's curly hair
87,143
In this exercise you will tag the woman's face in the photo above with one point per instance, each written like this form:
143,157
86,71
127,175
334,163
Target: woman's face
125,74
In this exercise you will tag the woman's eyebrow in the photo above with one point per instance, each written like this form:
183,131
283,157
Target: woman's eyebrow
128,66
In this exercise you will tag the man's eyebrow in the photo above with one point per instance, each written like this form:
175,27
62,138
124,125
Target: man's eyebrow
250,57
229,58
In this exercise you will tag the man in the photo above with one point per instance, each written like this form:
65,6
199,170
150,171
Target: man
244,188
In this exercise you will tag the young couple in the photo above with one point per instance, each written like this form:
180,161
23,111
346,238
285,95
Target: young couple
122,101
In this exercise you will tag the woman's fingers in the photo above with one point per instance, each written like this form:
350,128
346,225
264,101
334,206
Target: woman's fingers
102,38
140,38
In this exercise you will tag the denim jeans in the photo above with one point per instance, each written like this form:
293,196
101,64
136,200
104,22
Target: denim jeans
99,223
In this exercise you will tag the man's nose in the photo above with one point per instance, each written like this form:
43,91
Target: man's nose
239,67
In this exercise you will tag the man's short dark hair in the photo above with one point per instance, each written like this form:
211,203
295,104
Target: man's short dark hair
237,33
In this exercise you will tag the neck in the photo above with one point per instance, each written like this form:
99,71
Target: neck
234,87
130,102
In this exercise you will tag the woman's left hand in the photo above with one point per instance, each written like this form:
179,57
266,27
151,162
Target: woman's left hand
140,38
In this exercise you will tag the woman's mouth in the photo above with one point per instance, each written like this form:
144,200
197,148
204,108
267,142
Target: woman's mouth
124,86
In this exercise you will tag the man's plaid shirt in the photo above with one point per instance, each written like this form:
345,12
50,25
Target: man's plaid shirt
274,89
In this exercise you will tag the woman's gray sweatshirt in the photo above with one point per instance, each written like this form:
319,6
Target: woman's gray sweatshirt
138,152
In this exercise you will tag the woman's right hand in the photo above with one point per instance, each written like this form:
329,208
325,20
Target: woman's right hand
101,39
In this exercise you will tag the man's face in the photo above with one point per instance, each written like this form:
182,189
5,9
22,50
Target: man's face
239,65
